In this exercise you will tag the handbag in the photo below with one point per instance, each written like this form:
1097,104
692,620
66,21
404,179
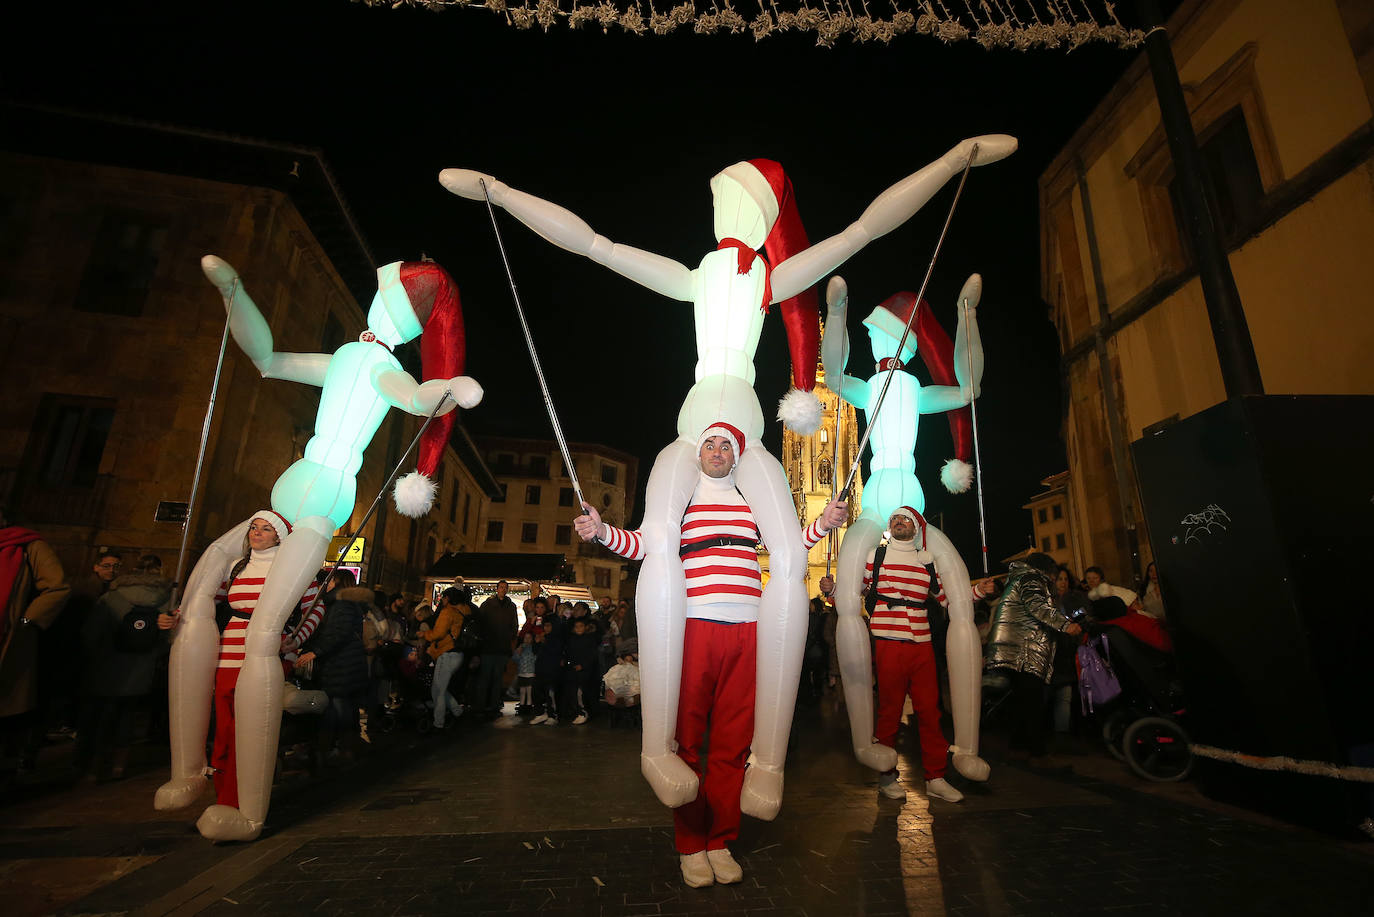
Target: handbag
1097,683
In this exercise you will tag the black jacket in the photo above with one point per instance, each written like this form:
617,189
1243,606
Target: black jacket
581,650
498,626
341,660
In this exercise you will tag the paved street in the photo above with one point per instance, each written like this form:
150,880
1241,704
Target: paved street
515,819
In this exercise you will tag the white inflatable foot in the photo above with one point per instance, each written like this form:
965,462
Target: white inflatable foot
672,781
761,797
880,758
178,794
971,767
224,823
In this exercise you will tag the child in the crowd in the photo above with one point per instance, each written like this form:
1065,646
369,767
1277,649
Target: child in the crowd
580,668
622,679
547,661
524,673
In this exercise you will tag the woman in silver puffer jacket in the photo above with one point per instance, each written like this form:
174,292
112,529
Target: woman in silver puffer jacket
1022,642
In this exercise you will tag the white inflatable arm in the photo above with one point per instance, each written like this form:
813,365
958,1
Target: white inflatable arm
964,654
252,334
852,642
835,346
569,232
400,390
891,209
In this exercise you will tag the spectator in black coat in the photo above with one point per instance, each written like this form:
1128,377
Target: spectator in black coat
547,662
339,660
581,673
499,627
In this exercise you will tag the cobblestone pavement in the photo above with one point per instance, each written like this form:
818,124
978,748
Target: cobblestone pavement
512,819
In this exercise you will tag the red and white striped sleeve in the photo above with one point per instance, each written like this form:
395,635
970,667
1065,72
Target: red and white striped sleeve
222,593
626,544
940,591
868,570
813,533
311,616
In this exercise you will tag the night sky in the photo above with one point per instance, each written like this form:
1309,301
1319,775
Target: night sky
626,132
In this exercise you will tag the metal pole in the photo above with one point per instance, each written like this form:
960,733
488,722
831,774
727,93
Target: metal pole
386,486
877,405
204,441
977,457
534,355
1231,333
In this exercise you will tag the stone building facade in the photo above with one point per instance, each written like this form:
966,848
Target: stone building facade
1281,97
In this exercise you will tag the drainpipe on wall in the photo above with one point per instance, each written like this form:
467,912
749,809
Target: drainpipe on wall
1116,428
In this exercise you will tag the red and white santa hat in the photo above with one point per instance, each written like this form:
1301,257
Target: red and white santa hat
771,190
277,520
729,431
916,518
425,291
929,339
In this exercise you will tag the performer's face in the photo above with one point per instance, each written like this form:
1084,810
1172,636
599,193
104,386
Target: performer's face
717,456
261,535
901,527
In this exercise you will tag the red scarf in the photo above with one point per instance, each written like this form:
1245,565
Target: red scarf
12,542
745,260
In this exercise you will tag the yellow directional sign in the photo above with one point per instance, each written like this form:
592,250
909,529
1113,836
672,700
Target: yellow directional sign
355,553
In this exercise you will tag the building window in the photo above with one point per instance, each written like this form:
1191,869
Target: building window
501,497
1059,510
467,504
1233,180
1059,541
1041,515
565,496
601,578
539,466
503,463
68,441
532,495
529,532
1045,544
495,530
562,534
123,260
609,473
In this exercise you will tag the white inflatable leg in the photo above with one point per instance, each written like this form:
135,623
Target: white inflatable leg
258,697
191,671
781,628
852,646
964,654
661,609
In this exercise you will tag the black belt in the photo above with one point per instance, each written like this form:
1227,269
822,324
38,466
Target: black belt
906,603
721,541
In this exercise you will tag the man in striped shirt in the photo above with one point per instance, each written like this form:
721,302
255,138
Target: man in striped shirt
719,647
906,591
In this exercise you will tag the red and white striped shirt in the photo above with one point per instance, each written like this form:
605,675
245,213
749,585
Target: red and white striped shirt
903,576
720,574
243,598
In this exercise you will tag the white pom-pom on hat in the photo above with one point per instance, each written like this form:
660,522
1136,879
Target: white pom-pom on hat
800,411
957,476
414,494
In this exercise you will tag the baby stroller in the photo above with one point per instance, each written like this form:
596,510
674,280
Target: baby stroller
1144,725
411,703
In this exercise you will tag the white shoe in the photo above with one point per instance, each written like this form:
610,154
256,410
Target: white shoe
724,867
551,721
940,789
891,787
696,870
543,717
580,719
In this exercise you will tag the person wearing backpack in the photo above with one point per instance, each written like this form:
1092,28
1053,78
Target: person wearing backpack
121,643
455,608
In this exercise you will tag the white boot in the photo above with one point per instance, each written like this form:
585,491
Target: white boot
724,867
696,870
939,788
890,786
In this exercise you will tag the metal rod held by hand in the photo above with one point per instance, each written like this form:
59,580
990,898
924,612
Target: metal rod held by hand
906,332
204,441
977,459
386,486
835,466
534,355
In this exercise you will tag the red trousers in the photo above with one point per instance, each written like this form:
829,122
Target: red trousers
222,752
909,668
718,676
